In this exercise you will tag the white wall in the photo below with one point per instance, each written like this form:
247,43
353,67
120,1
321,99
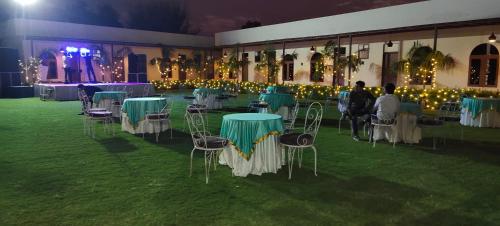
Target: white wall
456,42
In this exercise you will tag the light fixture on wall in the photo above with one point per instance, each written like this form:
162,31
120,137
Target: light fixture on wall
492,38
390,44
225,54
313,50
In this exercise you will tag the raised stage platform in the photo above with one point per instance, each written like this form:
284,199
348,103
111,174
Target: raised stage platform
63,92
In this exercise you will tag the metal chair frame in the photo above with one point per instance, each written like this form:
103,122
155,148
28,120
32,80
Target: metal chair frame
199,135
158,117
312,124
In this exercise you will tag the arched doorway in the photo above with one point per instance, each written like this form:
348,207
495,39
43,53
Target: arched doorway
317,68
137,68
49,60
287,70
483,66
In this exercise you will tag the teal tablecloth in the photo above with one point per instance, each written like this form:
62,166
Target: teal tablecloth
113,95
277,100
411,108
276,89
136,108
476,105
245,130
204,92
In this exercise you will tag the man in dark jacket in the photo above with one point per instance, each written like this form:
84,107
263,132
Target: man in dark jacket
360,106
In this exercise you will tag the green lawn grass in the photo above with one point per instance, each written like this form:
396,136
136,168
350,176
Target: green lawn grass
52,174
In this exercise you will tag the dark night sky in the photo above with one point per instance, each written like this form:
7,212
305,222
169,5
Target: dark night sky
211,16
205,16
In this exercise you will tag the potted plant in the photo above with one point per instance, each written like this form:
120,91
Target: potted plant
421,64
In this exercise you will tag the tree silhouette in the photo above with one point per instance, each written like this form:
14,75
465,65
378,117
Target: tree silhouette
250,24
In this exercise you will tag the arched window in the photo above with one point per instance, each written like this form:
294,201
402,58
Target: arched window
287,68
317,68
49,60
483,66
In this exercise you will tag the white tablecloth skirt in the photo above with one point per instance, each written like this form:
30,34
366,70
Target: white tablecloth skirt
408,131
484,119
267,158
148,128
283,111
210,101
108,104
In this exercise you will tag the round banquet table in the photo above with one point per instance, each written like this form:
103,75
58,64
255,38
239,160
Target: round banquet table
134,112
254,147
480,112
208,97
406,124
105,99
279,103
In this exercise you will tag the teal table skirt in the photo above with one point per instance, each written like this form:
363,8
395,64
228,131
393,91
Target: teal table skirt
411,108
476,105
204,92
136,108
245,130
276,89
112,95
277,100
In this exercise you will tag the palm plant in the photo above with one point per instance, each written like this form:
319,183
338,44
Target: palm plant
422,62
340,63
229,68
269,64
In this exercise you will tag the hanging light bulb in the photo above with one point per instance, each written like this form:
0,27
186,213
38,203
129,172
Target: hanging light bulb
313,50
390,44
492,38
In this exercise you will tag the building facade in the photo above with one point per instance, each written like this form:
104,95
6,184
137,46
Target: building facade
111,54
380,38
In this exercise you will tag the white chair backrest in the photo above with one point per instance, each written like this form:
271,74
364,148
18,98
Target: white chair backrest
196,124
294,113
313,119
450,110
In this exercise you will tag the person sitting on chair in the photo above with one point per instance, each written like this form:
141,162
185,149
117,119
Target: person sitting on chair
387,106
89,91
359,106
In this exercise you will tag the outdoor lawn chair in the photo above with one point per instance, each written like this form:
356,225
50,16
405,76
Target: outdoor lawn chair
432,123
380,123
204,141
156,119
298,142
46,93
450,112
290,123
